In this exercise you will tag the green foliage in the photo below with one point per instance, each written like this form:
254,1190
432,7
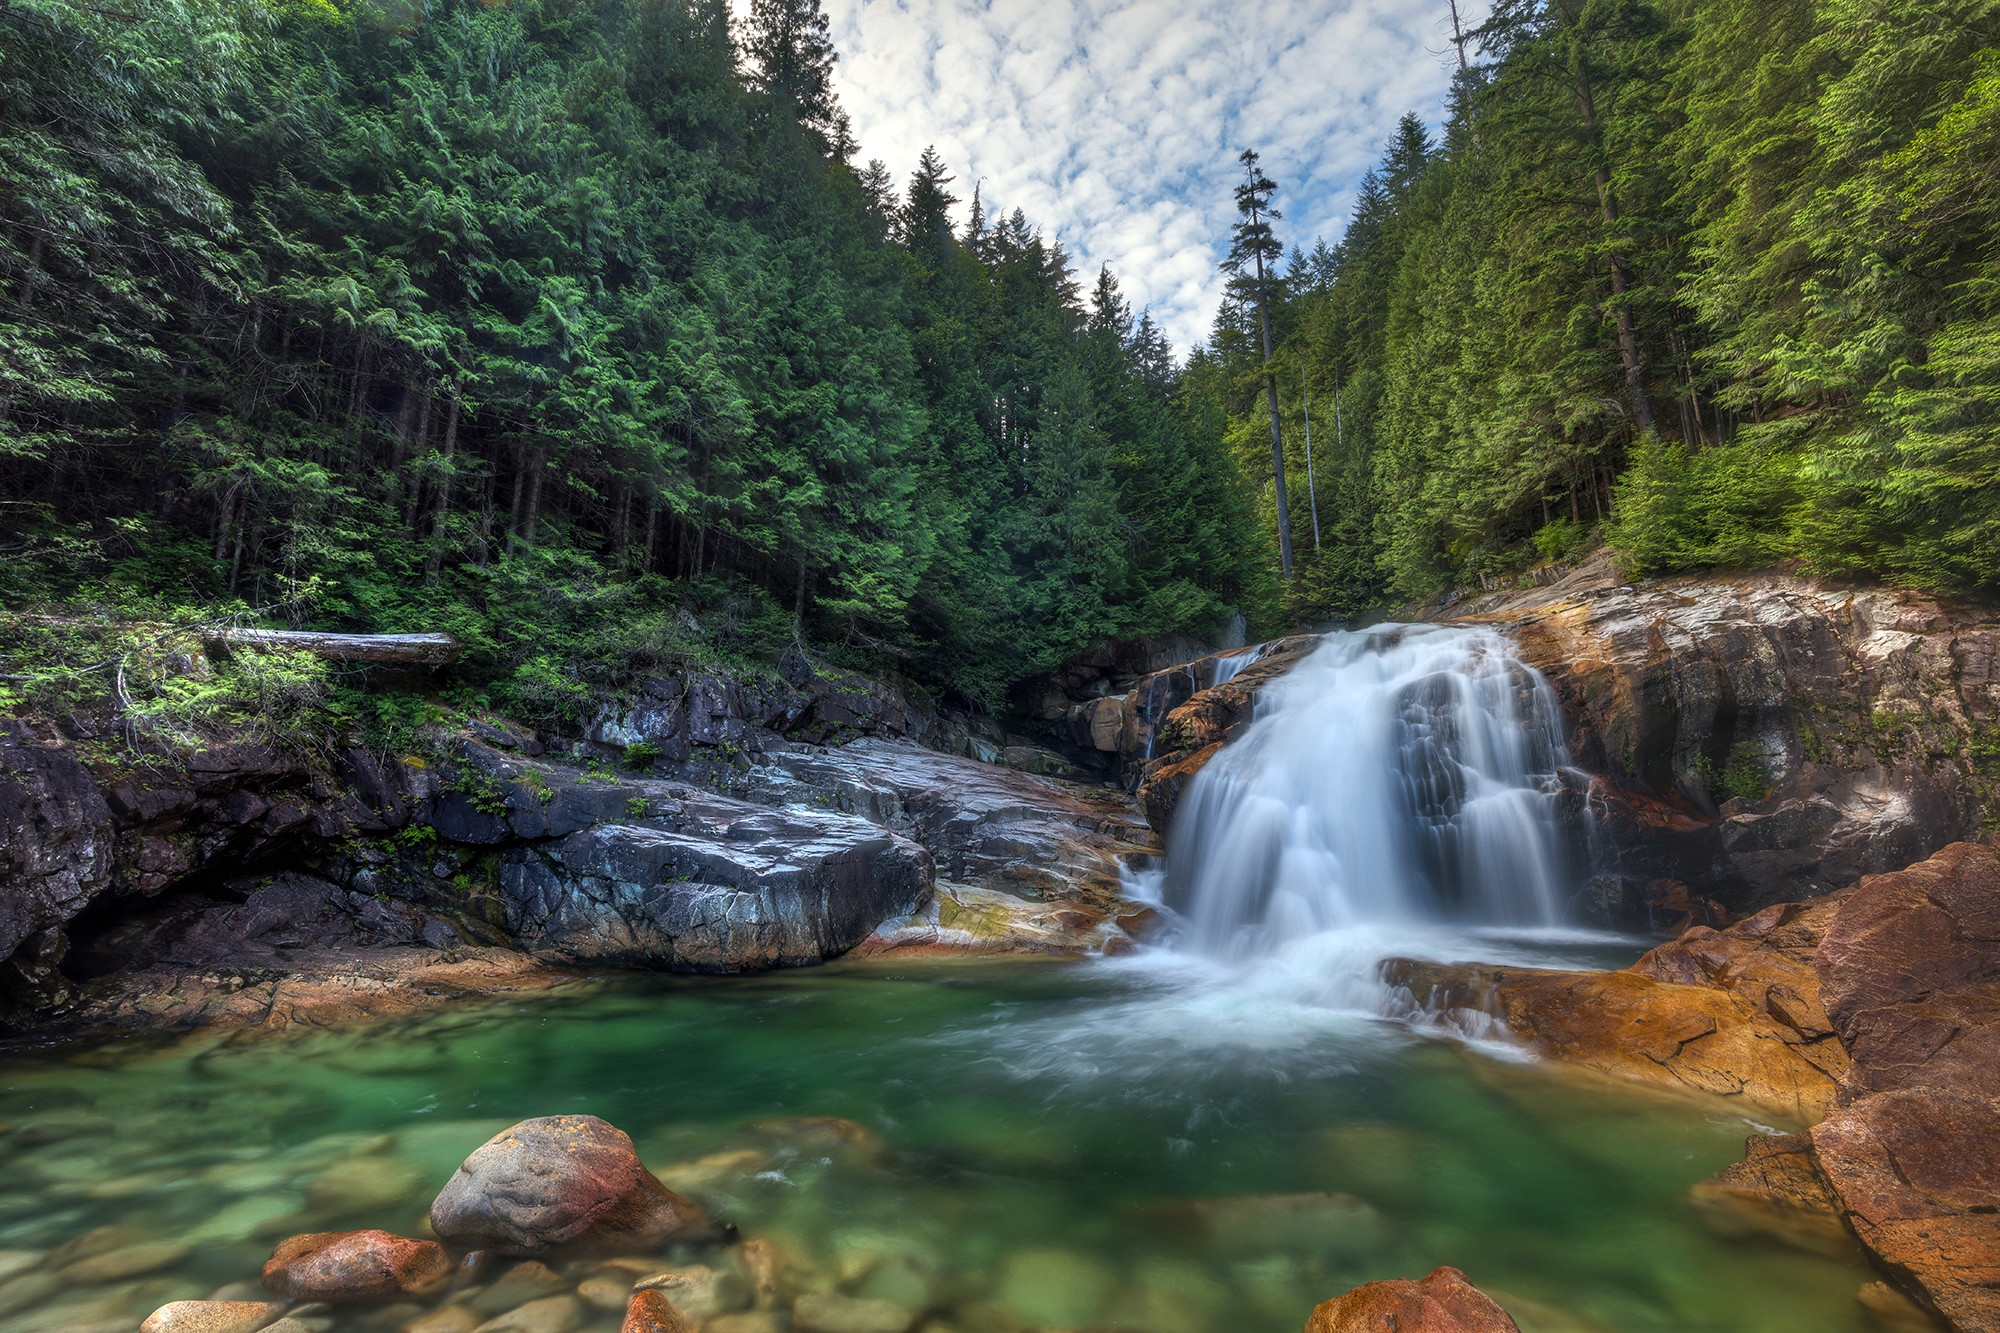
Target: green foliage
641,754
1718,273
544,325
1744,775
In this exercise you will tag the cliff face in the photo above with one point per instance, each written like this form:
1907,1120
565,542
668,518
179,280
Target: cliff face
1762,738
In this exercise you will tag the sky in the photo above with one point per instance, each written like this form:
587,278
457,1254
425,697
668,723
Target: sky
1115,126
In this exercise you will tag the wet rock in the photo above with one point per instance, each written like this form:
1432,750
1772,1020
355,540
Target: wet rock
1443,1302
1918,1171
1812,732
126,1261
961,921
18,1261
520,1284
830,1312
1893,1312
735,887
557,1185
985,826
721,1171
1910,975
450,1319
604,1293
652,1312
1050,1288
697,1291
1776,1191
1695,1038
356,1266
550,1314
1320,1223
57,833
212,1317
822,1135
750,1321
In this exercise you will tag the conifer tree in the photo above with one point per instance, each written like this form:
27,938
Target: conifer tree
1253,247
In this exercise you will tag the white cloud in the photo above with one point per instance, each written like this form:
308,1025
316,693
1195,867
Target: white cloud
1115,126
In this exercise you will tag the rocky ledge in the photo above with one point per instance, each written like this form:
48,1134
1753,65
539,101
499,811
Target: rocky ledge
238,883
1868,1018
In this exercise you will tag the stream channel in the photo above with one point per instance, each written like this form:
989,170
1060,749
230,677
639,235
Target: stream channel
1210,1137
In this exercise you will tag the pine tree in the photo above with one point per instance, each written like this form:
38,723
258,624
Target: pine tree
790,45
1254,247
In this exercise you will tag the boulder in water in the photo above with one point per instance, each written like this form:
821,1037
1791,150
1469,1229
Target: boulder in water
652,1312
1444,1302
356,1266
212,1317
559,1185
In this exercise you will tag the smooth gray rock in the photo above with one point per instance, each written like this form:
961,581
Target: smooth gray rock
713,886
55,839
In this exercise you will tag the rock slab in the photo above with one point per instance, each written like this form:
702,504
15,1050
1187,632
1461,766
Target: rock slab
557,1185
1443,1302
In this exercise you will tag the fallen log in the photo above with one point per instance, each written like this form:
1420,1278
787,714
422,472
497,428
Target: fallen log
402,649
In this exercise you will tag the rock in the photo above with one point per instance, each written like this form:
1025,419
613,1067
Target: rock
558,1185
1161,789
1054,1288
522,1283
356,1266
1694,1038
18,1261
450,1319
830,1312
822,1135
604,1293
1443,1302
56,832
735,887
1256,1224
551,1314
212,1317
18,1293
1893,1312
1775,1191
985,826
652,1312
1845,723
1918,1170
126,1261
697,1291
1910,974
750,1321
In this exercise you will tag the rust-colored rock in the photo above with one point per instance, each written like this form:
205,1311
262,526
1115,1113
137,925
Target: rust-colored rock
1696,1038
1443,1302
559,1185
1910,974
652,1312
1778,1192
356,1266
1919,1173
1160,791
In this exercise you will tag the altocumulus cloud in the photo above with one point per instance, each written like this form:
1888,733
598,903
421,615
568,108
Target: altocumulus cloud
1115,127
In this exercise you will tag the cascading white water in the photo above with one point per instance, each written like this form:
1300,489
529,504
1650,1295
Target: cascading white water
1399,776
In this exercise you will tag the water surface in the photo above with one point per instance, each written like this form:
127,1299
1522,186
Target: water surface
1060,1146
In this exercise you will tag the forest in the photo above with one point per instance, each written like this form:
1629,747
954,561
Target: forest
571,328
1711,281
579,329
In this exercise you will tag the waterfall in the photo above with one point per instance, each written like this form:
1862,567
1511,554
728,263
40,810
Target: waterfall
1399,776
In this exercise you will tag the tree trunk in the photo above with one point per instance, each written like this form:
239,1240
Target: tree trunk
435,560
1621,274
1277,436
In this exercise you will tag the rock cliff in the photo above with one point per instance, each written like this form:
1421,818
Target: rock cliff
246,883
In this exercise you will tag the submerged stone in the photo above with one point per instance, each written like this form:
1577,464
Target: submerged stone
558,1185
1443,1302
830,1312
356,1266
212,1317
652,1312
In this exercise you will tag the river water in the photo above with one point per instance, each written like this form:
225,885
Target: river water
1208,1138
